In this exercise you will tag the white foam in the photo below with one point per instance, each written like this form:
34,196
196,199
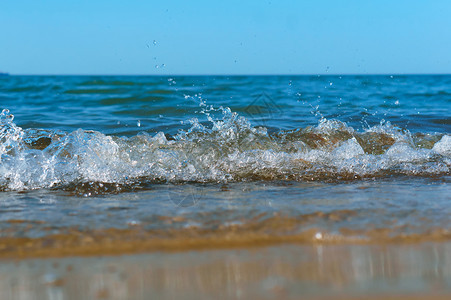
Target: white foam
349,149
443,146
402,152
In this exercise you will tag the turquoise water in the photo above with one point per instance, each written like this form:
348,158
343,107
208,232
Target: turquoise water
226,150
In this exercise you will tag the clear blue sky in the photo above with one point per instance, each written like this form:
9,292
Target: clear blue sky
225,37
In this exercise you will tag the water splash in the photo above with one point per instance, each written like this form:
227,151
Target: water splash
224,148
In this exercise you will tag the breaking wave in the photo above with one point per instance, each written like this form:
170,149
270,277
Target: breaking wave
226,148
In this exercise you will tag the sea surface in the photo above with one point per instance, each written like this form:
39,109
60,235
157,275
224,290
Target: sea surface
271,159
242,187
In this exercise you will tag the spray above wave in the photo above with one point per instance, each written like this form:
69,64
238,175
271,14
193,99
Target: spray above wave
225,149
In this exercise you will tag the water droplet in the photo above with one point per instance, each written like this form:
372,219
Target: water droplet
397,102
154,42
157,66
138,123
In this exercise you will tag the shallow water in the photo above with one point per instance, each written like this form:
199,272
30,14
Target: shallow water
389,210
270,159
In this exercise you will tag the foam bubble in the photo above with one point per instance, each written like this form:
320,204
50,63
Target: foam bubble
348,149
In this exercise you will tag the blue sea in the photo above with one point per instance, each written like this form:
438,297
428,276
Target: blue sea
246,159
220,149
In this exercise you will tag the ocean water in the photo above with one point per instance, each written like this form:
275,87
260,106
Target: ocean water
224,160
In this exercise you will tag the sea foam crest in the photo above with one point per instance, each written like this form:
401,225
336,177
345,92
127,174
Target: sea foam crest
443,146
227,148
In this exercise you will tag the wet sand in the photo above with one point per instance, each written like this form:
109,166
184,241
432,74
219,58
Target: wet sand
311,271
70,241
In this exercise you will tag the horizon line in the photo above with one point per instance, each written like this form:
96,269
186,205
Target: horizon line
237,75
